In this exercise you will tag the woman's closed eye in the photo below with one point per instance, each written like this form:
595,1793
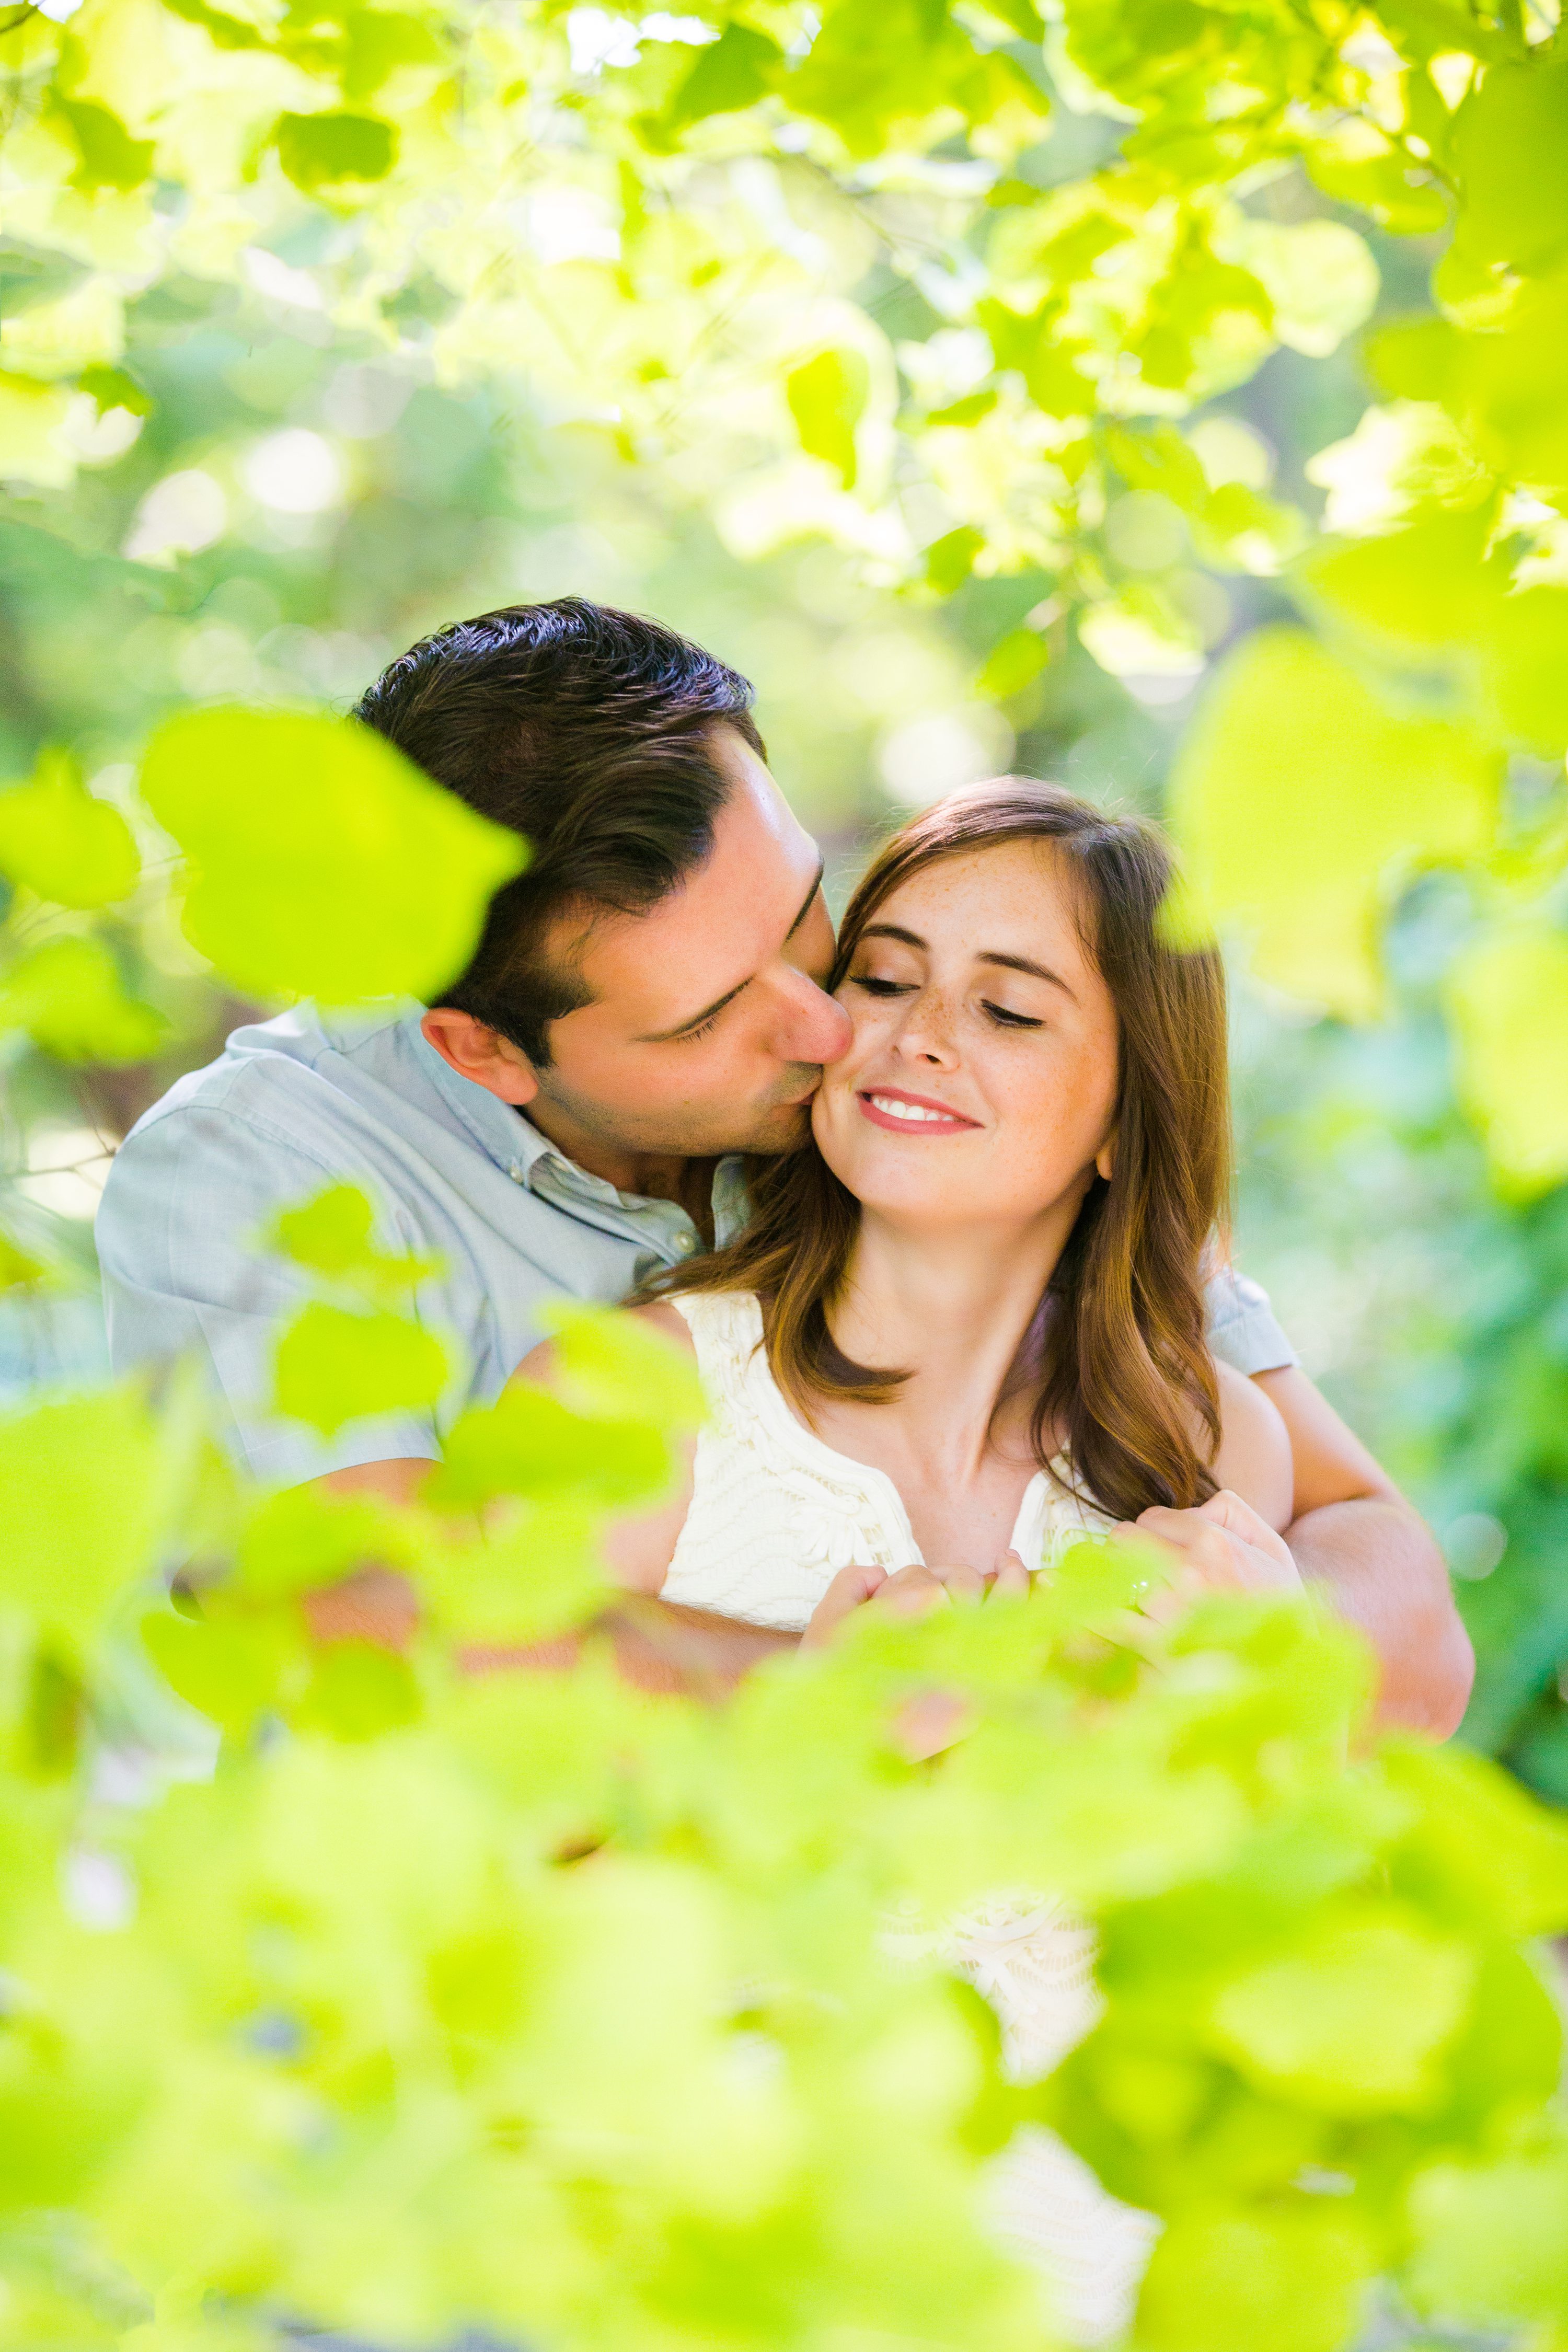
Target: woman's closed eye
1006,1019
875,985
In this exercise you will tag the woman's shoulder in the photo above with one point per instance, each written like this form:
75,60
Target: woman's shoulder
700,1320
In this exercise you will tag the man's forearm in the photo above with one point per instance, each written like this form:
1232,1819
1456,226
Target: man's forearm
658,1645
1381,1566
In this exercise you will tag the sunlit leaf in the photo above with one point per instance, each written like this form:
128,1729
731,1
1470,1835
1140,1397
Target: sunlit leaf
333,1365
81,1495
827,397
1509,994
1303,803
59,841
322,862
321,151
69,996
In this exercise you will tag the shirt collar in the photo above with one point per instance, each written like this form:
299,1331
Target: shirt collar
509,1138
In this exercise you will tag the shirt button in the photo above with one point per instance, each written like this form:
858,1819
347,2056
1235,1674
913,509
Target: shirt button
685,1244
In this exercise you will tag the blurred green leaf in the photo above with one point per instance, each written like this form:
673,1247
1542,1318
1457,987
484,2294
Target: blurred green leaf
322,862
321,151
1509,998
827,397
334,1366
81,1501
1302,804
1492,2239
1352,2019
59,841
68,996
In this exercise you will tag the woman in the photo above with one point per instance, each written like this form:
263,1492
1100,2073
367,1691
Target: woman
965,1324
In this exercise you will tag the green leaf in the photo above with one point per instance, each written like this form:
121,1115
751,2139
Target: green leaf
530,1572
1482,1852
1014,662
323,152
304,1538
621,1367
1523,672
1319,275
827,397
68,996
949,561
110,158
1301,803
1288,2277
81,1502
31,448
58,840
528,1443
1351,2020
230,1669
1508,997
1428,586
322,862
115,387
357,1690
18,1268
734,71
1157,458
1492,2239
1510,152
333,1366
331,1234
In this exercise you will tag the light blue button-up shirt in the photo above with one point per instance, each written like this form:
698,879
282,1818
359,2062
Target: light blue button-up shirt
294,1105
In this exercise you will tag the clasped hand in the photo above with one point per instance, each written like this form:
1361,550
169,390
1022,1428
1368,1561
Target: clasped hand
1221,1546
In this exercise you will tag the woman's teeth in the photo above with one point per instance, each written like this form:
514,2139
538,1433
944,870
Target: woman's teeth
914,1112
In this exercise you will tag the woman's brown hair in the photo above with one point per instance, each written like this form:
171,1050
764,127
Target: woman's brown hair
1122,1372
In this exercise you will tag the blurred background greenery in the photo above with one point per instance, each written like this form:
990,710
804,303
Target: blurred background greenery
293,509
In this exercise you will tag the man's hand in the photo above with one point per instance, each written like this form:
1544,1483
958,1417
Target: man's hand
1221,1546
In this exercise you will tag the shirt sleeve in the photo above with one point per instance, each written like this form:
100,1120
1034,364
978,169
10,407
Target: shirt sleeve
1242,1328
187,1275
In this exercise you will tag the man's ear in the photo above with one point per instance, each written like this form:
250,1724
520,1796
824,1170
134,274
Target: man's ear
477,1052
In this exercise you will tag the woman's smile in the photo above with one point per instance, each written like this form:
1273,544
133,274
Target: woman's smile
907,1114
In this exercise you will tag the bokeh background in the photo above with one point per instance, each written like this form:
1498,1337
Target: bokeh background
294,508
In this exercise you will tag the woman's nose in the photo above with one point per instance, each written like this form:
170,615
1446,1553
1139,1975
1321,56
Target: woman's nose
924,1036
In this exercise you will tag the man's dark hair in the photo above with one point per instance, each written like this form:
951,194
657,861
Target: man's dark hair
587,731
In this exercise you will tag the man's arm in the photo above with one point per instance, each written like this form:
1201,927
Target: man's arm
657,1644
1354,1535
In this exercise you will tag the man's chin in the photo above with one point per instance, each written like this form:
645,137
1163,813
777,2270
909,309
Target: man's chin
784,1128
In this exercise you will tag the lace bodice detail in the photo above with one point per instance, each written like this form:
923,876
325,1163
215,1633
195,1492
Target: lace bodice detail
776,1512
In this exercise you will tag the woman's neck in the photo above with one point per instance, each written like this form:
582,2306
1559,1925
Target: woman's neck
951,1307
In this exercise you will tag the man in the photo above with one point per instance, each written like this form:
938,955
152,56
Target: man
644,1004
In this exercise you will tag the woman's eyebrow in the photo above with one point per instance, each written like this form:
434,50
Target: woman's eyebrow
892,931
1022,963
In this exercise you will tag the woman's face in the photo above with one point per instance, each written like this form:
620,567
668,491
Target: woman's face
980,1082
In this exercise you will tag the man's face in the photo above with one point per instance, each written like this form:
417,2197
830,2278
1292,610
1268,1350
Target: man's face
709,1026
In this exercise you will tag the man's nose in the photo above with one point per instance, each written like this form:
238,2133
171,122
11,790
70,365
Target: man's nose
817,1027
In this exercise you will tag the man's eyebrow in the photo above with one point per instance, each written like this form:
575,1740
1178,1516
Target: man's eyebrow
809,901
695,1020
985,955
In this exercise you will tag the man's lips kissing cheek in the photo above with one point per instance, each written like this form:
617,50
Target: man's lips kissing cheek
903,1113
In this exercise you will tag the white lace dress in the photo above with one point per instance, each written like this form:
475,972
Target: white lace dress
774,1513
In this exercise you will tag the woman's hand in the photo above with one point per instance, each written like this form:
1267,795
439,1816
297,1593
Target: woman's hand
911,1591
1223,1545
